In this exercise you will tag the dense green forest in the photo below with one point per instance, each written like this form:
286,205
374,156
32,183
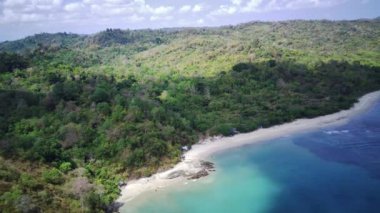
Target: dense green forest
80,113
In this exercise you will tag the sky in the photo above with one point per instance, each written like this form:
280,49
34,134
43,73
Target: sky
20,18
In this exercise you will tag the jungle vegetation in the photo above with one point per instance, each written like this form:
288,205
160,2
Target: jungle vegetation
80,113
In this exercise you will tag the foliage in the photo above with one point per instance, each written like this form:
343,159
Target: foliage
89,111
53,176
65,167
10,61
94,202
9,199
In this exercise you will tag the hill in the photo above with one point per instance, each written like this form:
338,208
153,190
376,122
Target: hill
81,113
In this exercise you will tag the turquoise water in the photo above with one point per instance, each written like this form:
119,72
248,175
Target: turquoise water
328,170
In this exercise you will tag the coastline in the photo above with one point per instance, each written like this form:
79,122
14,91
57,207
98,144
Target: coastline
194,159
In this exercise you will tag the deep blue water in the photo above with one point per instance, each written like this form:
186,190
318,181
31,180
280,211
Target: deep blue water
327,170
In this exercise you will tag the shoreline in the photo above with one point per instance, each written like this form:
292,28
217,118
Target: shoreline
193,162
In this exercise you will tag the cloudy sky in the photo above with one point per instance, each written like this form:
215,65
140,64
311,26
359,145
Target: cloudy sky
19,18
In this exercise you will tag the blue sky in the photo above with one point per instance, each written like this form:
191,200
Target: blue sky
19,18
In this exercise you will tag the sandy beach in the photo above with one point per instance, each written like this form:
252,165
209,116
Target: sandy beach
193,159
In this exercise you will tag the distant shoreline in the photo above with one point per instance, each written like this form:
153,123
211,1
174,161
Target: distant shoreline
192,163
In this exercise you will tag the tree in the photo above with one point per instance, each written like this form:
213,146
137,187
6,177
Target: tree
53,176
68,91
11,61
100,95
47,150
28,182
103,108
9,198
94,202
65,167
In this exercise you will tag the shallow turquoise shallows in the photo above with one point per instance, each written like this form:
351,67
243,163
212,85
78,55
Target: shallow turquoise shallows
328,170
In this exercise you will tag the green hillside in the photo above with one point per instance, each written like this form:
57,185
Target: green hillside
80,113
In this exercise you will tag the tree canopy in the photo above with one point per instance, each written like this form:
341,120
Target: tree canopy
78,114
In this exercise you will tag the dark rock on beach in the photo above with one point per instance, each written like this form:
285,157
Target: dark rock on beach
202,169
207,165
199,174
176,174
206,168
114,207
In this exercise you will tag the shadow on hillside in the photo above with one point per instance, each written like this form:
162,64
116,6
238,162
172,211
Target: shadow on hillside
268,93
16,105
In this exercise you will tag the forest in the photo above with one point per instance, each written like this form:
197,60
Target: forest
80,114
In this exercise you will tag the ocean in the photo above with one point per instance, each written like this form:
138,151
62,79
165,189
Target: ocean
333,169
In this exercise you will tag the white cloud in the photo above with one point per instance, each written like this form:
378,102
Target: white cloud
36,10
18,11
236,2
185,9
160,18
200,21
36,3
110,11
46,4
135,18
197,8
162,10
115,1
224,10
88,1
257,6
11,16
31,17
252,5
299,4
141,6
72,7
31,5
14,3
140,1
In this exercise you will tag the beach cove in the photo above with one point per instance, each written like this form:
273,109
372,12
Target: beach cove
177,177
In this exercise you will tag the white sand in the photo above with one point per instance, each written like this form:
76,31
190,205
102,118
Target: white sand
204,149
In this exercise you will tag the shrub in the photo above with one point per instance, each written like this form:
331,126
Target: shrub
94,202
8,199
68,91
53,176
65,167
224,129
103,108
100,95
27,181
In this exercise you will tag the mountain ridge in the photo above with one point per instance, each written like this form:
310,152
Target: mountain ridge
31,42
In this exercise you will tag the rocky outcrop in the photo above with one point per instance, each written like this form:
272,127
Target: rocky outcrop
198,175
208,165
176,174
199,169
